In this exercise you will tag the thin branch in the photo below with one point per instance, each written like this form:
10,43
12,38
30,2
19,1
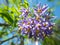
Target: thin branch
22,40
4,24
8,39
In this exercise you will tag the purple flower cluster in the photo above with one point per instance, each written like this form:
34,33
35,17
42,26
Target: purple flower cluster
38,26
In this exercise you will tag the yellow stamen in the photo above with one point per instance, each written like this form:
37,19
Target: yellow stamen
39,25
28,23
39,10
27,11
44,24
37,18
28,29
37,32
50,27
20,28
43,34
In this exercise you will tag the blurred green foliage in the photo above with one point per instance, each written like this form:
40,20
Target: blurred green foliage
10,14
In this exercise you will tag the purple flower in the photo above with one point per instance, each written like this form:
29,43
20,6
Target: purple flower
40,10
24,12
38,26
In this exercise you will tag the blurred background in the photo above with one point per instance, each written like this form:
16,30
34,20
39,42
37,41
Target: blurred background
9,16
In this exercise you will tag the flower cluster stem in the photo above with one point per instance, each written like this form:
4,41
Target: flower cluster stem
36,42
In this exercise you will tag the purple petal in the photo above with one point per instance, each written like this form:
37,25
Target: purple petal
39,6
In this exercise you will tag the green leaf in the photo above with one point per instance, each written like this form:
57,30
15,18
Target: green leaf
25,4
12,43
7,17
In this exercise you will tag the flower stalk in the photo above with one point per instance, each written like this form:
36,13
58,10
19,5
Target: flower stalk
36,42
